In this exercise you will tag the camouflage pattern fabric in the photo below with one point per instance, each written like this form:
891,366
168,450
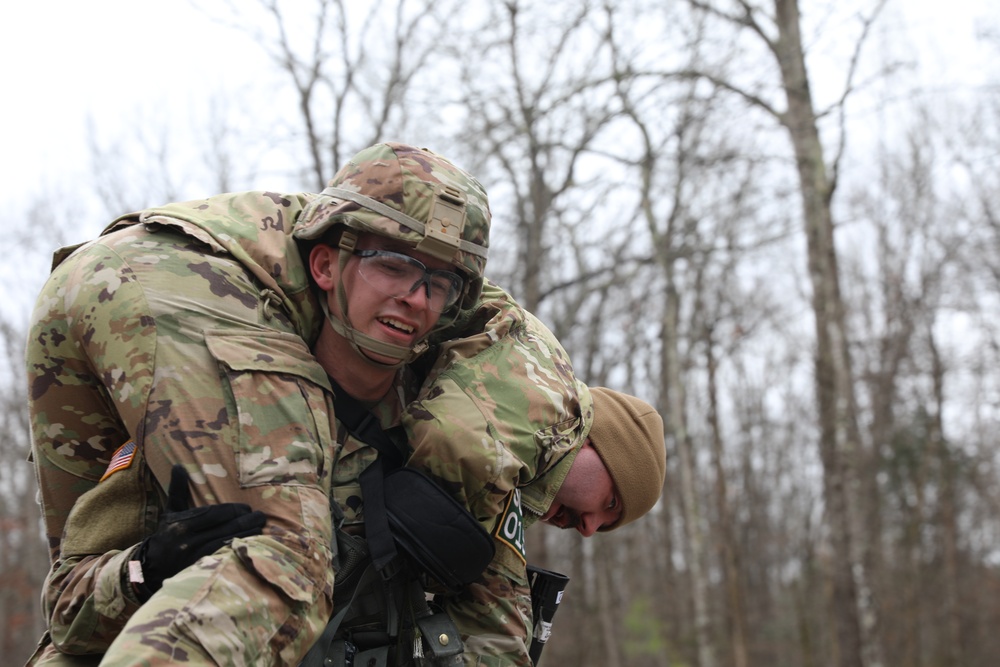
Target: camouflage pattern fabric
498,423
408,181
153,333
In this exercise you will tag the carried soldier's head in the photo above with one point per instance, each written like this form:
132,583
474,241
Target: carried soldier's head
618,474
399,241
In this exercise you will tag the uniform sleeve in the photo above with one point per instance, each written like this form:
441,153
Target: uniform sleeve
88,601
483,463
147,336
493,424
463,449
494,613
490,423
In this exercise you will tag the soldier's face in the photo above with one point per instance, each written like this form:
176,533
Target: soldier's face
400,320
587,500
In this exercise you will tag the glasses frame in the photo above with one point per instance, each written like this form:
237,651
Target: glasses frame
425,279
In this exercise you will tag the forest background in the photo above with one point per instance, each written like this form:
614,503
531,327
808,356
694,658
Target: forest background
775,219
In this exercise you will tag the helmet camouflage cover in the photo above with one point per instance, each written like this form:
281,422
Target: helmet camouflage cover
409,194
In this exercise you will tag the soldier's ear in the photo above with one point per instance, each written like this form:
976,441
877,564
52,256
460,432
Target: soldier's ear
323,266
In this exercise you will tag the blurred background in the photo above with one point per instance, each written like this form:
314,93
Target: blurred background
777,220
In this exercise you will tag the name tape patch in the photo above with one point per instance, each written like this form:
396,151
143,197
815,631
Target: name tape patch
510,528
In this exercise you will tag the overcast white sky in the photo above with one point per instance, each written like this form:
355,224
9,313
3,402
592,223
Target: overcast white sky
66,60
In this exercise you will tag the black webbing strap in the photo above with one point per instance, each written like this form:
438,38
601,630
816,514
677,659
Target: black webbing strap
316,656
362,424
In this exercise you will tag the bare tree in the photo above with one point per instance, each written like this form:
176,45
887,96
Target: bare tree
857,614
357,72
536,111
22,554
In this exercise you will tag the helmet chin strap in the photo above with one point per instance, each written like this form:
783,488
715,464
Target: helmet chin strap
363,343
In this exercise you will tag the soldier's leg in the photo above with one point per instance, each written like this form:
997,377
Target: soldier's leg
237,398
87,358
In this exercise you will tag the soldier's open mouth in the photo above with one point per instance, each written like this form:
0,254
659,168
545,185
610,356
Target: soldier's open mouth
396,325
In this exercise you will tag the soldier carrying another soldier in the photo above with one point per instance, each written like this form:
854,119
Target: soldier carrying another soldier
211,335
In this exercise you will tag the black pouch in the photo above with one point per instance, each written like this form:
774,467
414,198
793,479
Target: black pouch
440,637
435,530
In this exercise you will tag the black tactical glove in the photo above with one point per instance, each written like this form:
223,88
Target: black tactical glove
187,533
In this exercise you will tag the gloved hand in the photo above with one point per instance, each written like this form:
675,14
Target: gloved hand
188,533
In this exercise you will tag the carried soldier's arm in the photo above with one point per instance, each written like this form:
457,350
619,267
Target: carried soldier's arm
498,424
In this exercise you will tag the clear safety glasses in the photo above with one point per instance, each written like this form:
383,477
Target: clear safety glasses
397,275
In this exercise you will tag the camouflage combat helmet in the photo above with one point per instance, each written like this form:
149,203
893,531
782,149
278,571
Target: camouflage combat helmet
411,195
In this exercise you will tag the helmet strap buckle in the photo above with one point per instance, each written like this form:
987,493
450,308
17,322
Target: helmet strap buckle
348,241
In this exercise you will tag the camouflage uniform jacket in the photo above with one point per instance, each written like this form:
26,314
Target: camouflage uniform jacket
184,330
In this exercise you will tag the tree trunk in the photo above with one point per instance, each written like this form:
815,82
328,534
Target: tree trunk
840,444
727,539
949,518
607,620
677,427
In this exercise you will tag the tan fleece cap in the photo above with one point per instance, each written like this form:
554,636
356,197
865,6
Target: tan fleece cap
628,435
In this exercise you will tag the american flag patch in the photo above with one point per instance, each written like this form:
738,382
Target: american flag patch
122,459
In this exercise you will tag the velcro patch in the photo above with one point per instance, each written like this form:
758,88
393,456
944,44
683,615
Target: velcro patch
510,528
121,459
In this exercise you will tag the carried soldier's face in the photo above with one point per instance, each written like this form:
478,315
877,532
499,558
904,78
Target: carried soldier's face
587,501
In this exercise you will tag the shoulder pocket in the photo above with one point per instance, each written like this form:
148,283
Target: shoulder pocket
281,397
